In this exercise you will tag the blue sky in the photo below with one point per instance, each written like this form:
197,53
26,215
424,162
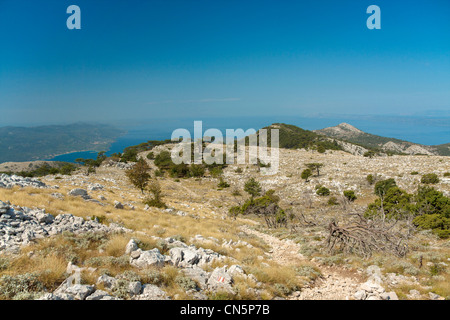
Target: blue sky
150,59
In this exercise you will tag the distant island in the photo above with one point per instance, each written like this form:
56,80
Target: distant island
43,142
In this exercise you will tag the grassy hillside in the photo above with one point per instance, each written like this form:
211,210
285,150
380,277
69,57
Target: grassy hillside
35,143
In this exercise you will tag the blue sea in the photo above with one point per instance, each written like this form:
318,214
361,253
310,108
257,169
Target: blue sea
427,131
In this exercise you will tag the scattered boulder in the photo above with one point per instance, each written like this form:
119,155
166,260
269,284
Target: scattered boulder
414,294
43,217
197,274
80,291
434,296
220,279
118,205
101,295
79,193
95,187
150,258
389,296
360,295
131,246
50,296
134,288
107,281
58,195
152,292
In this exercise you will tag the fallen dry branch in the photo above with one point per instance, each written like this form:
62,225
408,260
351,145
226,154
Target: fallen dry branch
364,237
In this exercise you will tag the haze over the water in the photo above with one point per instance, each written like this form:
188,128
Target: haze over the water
203,59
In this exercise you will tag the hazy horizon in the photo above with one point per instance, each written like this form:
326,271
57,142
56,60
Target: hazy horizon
426,130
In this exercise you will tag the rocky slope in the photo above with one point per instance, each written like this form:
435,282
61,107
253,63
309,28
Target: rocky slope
350,134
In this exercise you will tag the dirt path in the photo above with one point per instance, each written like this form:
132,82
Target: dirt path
334,285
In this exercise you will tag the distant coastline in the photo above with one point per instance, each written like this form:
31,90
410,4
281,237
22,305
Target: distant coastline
52,141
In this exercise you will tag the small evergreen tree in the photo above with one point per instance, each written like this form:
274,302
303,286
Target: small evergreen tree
252,187
155,189
139,175
306,174
315,167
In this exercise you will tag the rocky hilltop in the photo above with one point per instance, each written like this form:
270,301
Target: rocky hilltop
349,134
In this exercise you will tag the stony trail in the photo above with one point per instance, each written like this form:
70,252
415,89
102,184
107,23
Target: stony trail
333,285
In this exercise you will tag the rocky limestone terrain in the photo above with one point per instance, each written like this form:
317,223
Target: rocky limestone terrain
7,181
193,250
20,225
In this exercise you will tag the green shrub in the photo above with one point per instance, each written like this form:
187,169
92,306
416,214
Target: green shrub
120,288
129,155
306,174
223,184
281,289
129,275
429,178
4,264
153,277
430,201
308,271
370,179
396,203
45,169
439,224
185,283
333,201
252,187
196,170
21,285
323,191
266,207
163,160
179,170
383,186
155,189
414,173
236,193
350,195
369,154
321,149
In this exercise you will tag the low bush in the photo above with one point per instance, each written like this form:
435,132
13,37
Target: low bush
429,178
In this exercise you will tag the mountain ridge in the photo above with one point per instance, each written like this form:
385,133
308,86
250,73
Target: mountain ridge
350,134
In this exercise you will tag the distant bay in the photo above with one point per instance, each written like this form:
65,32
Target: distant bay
427,131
